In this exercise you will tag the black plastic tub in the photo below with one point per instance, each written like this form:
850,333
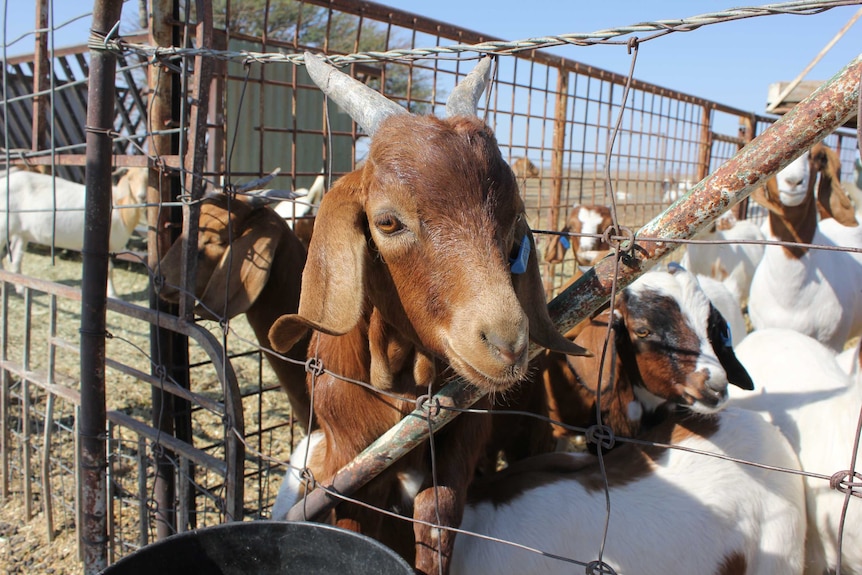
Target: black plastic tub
264,548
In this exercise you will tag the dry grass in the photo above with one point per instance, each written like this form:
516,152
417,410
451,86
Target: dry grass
24,545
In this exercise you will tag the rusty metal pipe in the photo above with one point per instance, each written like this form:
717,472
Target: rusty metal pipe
97,228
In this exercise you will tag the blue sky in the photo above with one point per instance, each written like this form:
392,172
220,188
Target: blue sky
732,63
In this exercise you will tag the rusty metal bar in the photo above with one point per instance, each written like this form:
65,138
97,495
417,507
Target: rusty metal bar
557,153
163,346
97,218
822,112
27,344
5,380
41,67
47,494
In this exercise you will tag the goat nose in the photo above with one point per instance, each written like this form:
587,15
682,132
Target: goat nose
511,352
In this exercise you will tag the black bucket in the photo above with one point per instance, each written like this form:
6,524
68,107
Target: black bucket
264,548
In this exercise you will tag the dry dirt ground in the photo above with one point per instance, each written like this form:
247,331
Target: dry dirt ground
24,545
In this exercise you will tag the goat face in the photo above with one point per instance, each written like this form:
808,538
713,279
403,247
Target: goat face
680,341
794,181
424,232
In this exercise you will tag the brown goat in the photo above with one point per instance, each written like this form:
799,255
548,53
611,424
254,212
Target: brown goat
422,267
588,249
249,261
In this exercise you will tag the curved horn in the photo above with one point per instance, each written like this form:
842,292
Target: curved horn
367,107
464,98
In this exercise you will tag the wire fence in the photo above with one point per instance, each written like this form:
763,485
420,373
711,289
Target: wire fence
579,136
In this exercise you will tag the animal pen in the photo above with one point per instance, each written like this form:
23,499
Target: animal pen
125,422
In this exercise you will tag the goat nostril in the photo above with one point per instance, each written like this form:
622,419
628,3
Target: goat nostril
512,353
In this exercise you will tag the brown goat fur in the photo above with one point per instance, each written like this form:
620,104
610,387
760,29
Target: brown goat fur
249,255
407,284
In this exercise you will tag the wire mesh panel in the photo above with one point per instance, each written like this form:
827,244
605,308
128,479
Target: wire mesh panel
573,134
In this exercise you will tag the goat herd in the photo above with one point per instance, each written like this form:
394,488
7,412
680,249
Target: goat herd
422,268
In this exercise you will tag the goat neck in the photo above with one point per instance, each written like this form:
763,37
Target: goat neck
792,215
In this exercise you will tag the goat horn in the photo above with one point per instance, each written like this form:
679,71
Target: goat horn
367,107
464,99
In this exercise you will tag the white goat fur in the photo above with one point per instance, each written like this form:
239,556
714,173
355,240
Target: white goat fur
818,293
801,387
688,513
290,210
37,215
733,263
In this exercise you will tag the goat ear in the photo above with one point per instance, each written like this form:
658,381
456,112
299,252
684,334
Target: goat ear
251,255
831,195
593,334
531,295
719,335
334,275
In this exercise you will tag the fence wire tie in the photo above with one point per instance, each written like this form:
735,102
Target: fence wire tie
102,131
314,366
92,332
601,435
622,240
429,404
158,282
109,42
599,568
164,61
839,481
306,475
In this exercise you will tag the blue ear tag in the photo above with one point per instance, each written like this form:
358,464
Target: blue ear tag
564,241
519,263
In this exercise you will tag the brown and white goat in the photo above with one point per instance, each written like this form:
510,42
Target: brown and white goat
249,261
421,267
813,291
585,224
668,347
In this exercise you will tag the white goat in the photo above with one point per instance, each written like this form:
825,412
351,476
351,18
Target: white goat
813,291
671,511
732,263
36,214
805,392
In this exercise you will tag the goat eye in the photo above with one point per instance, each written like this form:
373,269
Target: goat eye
388,224
642,332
